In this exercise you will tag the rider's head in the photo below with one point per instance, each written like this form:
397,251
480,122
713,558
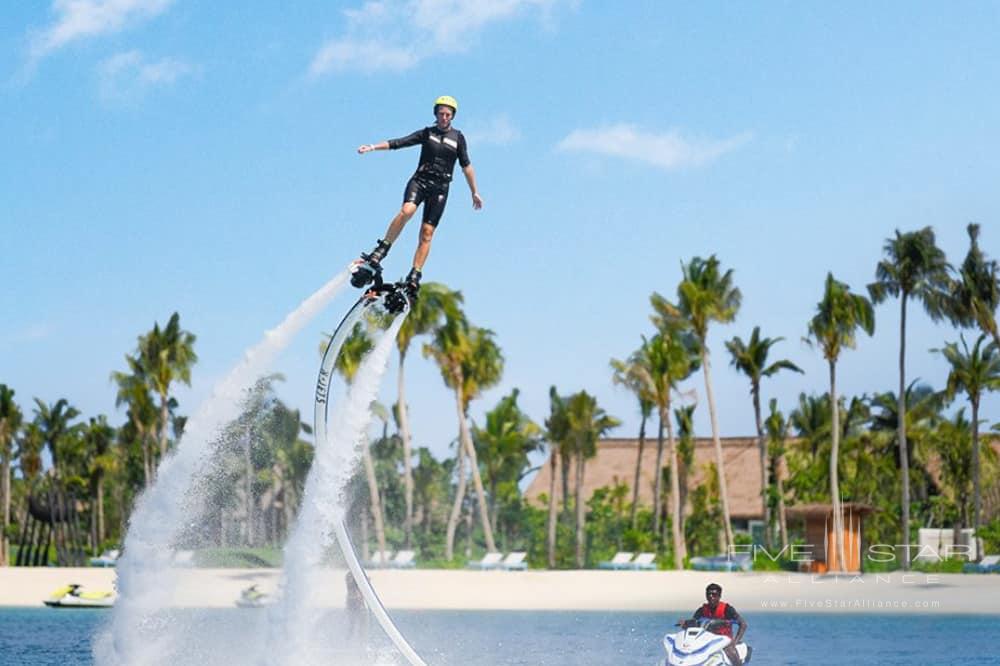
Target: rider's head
713,592
443,104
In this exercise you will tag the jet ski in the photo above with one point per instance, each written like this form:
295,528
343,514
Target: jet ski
251,597
74,596
696,645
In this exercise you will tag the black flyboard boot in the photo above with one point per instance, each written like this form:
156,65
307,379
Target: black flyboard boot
369,267
403,293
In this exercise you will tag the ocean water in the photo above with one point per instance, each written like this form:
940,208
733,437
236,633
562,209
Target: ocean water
488,638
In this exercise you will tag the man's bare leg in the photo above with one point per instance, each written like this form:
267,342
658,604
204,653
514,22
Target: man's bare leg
424,246
399,221
734,656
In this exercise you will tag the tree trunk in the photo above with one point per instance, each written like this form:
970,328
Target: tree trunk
564,470
404,434
456,507
375,500
164,418
977,494
553,508
719,461
765,480
677,511
477,481
838,514
658,480
904,456
581,524
4,507
782,518
248,468
101,533
638,468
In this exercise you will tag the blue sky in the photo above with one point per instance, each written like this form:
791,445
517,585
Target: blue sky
166,155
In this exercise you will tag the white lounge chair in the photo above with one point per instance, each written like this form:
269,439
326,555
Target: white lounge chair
379,559
108,558
489,561
183,558
514,562
403,560
644,562
619,561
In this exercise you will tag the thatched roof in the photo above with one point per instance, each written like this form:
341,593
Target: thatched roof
615,463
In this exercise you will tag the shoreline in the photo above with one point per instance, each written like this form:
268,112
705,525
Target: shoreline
583,590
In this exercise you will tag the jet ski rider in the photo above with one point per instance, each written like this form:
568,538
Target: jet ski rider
716,609
441,145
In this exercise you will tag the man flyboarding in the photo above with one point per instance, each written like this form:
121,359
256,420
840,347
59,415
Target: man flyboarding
440,146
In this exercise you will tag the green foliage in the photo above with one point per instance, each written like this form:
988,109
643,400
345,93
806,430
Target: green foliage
990,534
950,565
701,529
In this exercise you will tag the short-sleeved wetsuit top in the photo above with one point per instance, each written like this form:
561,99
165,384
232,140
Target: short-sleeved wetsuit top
439,150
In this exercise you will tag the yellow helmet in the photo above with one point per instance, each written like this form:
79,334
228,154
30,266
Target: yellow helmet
446,100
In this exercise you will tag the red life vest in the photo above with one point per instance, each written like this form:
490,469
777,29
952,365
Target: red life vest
719,614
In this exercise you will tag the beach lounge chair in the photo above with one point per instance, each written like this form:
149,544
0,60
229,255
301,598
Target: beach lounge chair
379,559
108,558
403,560
738,562
619,561
183,558
643,562
514,562
989,564
489,561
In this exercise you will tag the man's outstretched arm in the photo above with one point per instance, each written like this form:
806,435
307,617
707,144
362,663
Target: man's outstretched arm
470,178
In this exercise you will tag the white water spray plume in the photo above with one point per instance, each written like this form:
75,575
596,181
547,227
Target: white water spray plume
303,637
140,631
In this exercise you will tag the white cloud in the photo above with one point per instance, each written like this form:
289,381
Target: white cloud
125,76
669,150
395,35
365,56
80,19
497,131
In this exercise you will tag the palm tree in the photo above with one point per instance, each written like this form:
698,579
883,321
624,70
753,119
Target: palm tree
838,316
704,295
750,358
914,267
97,439
424,316
10,423
556,433
628,374
776,426
684,416
587,422
470,362
356,347
503,447
133,391
167,355
976,293
670,357
54,423
973,372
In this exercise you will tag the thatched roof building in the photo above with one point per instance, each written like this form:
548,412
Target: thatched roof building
615,463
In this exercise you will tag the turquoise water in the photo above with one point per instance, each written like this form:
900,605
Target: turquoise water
63,636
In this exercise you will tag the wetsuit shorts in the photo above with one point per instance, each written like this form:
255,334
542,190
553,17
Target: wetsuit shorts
434,196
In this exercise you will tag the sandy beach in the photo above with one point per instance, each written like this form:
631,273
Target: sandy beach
563,590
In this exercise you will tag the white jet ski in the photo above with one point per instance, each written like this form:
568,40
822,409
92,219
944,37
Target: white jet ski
74,596
695,645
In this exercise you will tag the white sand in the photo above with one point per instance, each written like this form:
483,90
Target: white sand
565,590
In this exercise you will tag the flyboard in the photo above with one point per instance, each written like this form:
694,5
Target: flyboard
393,299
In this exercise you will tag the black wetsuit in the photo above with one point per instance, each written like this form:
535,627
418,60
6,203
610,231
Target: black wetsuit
439,149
